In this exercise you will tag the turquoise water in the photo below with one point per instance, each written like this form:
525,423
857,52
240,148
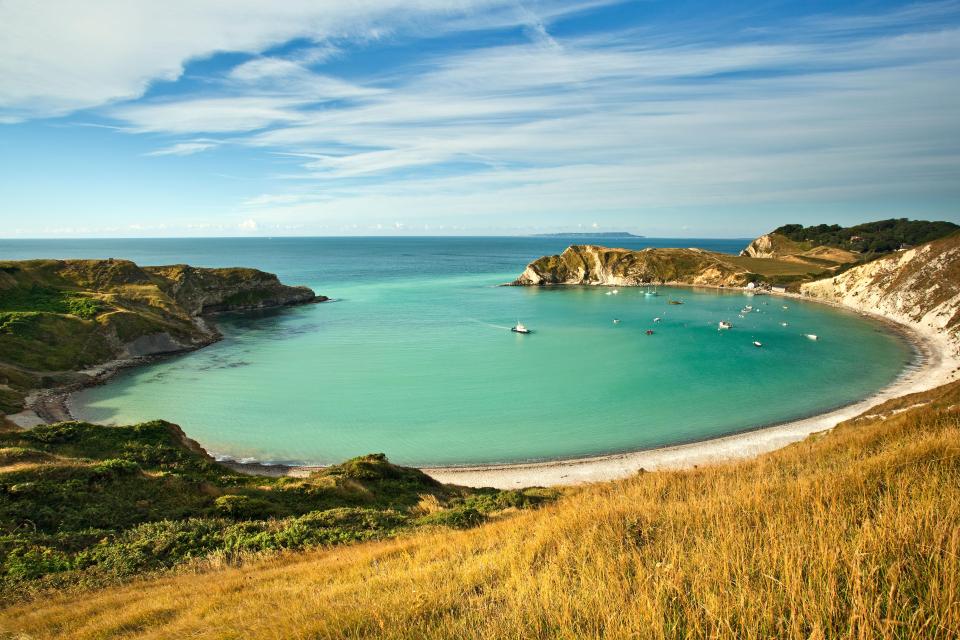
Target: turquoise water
415,358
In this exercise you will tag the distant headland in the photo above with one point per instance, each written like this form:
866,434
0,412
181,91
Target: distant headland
579,234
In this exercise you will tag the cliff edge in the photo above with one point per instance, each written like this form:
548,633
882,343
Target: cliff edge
919,287
60,317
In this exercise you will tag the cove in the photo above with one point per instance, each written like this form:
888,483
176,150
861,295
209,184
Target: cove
422,366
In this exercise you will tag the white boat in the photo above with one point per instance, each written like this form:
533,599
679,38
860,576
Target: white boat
616,321
615,291
656,319
783,324
811,336
757,343
520,328
608,293
723,325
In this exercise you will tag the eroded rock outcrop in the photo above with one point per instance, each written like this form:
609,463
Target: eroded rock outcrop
590,264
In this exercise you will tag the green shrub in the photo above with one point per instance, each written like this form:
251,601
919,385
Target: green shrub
244,507
373,466
49,299
461,517
32,562
511,498
54,433
115,468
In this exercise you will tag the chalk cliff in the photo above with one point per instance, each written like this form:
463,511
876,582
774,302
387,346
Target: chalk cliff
919,286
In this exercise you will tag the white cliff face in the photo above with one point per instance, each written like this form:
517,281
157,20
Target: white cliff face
919,287
762,247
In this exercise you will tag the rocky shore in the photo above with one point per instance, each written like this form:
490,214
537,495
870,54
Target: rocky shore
69,324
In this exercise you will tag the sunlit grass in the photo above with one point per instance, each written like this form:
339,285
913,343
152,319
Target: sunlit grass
854,534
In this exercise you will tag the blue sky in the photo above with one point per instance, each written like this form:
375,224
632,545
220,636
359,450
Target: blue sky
422,117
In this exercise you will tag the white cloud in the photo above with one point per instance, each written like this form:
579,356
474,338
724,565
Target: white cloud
248,225
59,56
606,124
185,148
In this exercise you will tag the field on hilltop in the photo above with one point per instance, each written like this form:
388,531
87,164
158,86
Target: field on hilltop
852,533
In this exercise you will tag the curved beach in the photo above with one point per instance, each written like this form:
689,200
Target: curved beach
937,365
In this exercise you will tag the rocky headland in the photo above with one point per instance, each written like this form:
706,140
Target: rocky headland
595,265
68,323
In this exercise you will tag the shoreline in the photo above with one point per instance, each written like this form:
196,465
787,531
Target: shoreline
934,365
46,406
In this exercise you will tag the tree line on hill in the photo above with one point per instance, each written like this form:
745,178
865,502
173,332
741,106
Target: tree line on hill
881,236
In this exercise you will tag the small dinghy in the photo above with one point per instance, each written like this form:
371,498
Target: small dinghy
616,321
811,336
656,319
649,332
757,343
723,325
783,324
676,302
520,328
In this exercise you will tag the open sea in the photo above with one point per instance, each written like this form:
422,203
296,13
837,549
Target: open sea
415,358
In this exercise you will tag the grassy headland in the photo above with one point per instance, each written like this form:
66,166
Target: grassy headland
61,316
89,505
850,534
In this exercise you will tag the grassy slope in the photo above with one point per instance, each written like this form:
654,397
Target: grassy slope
60,316
89,505
854,533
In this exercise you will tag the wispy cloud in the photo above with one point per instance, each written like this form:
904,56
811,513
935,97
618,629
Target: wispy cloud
819,109
185,148
62,56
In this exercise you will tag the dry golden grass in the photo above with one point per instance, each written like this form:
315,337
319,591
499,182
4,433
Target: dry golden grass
852,534
772,267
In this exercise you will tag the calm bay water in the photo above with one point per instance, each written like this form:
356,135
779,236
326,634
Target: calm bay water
415,357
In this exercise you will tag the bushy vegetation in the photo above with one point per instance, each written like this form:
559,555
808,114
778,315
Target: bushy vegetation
849,534
39,298
882,236
89,504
